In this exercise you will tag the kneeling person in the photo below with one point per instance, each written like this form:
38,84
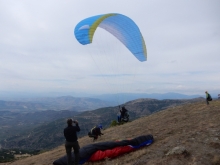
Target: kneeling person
95,132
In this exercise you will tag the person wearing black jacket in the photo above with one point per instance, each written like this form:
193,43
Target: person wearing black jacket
122,115
123,111
70,133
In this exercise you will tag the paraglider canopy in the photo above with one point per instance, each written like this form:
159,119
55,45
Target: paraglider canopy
121,26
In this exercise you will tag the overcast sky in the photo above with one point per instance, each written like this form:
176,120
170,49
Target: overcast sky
39,53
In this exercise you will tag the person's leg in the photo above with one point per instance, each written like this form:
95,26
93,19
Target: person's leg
207,102
122,116
68,148
119,118
76,152
95,137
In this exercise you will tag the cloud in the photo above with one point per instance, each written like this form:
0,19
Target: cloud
39,53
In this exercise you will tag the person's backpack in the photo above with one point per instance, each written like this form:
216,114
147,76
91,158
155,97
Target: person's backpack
209,97
89,134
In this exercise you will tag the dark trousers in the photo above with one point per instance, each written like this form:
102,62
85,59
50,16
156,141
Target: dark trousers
207,100
75,146
119,118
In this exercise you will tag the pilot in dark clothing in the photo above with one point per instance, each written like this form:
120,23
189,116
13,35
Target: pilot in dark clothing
70,133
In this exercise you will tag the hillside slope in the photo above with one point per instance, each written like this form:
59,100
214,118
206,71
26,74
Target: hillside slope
194,126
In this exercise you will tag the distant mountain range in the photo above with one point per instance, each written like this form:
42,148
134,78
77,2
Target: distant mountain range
83,103
115,99
121,98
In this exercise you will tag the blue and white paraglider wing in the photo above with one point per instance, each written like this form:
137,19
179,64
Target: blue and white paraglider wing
121,26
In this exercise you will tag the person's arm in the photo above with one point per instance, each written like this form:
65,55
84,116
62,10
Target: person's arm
77,126
99,132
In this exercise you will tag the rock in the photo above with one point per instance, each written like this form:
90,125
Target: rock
216,160
177,151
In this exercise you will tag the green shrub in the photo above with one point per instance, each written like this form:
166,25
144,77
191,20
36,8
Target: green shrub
113,123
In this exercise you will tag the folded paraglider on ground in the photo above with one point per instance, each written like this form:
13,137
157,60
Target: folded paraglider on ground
111,149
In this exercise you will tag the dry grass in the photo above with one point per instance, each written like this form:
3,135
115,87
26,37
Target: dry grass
194,126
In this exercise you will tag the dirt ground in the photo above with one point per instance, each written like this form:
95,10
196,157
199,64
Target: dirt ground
195,127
